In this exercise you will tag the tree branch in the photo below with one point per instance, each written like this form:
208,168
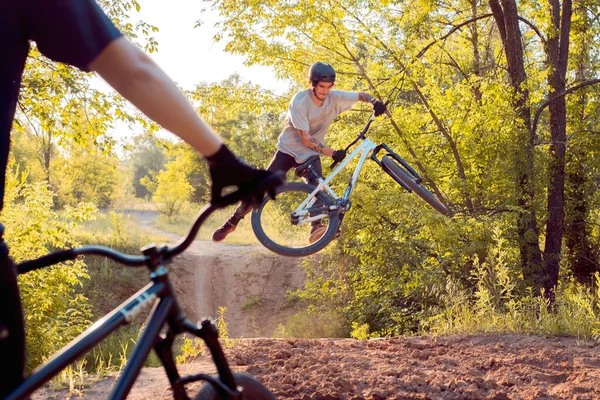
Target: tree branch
558,96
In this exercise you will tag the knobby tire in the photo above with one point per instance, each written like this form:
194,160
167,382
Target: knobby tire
251,389
300,191
398,172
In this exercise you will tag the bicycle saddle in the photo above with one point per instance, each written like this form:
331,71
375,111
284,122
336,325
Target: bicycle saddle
303,169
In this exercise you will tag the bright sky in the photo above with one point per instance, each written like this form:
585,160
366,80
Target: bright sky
189,55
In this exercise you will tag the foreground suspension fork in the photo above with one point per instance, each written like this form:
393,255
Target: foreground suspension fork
211,338
164,350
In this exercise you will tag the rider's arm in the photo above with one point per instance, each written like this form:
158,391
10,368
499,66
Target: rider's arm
365,97
378,107
137,78
314,144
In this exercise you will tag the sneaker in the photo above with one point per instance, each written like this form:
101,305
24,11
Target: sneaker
316,233
223,231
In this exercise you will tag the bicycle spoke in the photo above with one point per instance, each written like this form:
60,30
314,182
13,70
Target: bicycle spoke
282,227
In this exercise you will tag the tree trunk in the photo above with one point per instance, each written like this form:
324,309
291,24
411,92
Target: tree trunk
507,20
557,51
476,57
581,256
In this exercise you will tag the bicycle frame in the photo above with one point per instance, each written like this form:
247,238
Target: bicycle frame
342,204
165,311
363,150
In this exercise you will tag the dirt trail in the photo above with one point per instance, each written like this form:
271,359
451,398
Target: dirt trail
250,281
438,368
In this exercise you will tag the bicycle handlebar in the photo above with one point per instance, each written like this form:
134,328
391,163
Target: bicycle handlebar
361,135
165,253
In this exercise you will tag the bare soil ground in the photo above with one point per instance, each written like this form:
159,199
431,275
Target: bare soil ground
457,367
252,283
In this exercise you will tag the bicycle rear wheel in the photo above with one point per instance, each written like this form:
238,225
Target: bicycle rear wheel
278,230
400,175
251,389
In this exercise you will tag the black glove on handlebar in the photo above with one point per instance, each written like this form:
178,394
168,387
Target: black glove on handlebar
378,107
227,170
338,155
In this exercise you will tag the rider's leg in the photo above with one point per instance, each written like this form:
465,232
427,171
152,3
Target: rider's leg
12,334
317,230
280,162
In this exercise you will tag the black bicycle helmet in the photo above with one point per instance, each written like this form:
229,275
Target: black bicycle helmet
321,72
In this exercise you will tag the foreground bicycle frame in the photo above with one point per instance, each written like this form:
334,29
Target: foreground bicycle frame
158,294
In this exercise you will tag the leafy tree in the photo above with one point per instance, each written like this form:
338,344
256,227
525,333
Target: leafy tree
58,104
86,175
146,158
247,117
170,188
465,108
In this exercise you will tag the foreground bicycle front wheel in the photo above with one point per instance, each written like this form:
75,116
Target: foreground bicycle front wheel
251,389
283,232
400,175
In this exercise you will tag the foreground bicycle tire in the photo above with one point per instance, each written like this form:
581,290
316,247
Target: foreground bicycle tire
400,175
272,225
251,389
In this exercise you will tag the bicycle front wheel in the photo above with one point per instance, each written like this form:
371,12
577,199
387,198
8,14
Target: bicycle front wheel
286,230
251,389
400,175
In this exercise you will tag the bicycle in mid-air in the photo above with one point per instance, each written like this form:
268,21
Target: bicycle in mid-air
283,226
165,322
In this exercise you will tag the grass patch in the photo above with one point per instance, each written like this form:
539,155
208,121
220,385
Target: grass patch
496,307
110,284
252,303
243,235
313,324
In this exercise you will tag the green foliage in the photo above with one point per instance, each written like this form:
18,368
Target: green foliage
360,332
86,175
252,303
314,323
171,188
494,306
190,349
121,233
222,327
452,116
181,224
146,158
247,117
54,310
59,106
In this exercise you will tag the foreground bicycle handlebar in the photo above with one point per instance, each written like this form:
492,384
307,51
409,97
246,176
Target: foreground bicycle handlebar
165,252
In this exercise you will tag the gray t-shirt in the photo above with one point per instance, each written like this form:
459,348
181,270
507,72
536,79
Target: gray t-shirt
304,115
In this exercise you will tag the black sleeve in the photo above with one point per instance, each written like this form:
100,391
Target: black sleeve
70,31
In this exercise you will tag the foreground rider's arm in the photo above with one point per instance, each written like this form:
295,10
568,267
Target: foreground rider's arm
137,78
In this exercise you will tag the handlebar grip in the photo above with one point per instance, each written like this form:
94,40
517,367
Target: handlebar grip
46,260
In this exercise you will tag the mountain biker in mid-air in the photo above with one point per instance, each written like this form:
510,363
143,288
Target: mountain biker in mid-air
78,32
309,115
